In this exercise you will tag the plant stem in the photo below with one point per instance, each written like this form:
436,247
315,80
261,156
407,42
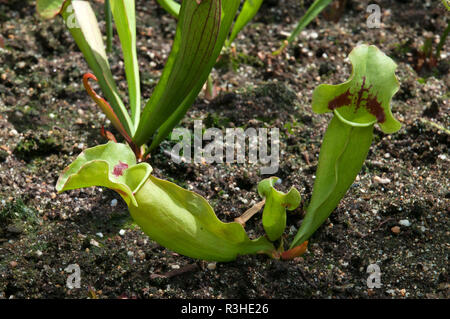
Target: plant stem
249,213
210,94
170,6
109,26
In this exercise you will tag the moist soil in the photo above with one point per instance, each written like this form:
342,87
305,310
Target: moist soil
395,215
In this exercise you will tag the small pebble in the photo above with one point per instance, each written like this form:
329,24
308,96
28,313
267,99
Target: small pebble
391,292
38,253
405,222
292,230
211,266
100,235
175,266
13,264
114,203
122,232
395,230
141,255
381,180
93,242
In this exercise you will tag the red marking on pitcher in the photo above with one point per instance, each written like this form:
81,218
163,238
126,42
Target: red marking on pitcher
340,100
119,168
372,105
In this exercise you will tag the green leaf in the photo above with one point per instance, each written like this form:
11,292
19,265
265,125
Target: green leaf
358,104
109,26
229,9
342,154
170,6
83,25
312,12
249,10
125,19
48,9
184,222
110,165
365,98
274,214
178,219
193,55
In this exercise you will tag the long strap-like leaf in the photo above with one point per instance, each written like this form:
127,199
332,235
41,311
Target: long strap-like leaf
125,19
249,10
83,25
229,9
310,14
189,64
170,6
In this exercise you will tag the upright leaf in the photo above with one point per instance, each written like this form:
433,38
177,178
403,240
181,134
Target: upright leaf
125,19
229,9
83,25
342,154
358,104
249,10
310,14
109,26
170,6
193,49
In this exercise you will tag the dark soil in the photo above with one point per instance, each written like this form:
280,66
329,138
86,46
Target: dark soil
46,119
